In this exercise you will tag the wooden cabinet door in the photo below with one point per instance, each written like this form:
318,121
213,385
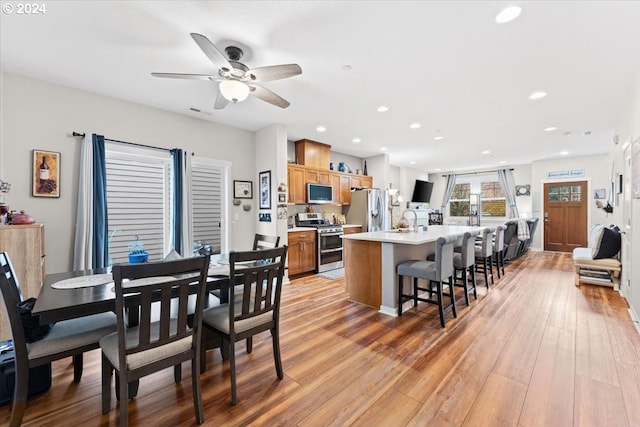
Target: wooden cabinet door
335,185
25,246
352,230
366,182
345,189
302,252
295,178
356,181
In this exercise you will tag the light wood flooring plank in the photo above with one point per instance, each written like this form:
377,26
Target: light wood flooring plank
598,404
498,404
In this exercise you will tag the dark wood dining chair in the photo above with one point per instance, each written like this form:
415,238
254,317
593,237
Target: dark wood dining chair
256,309
66,338
150,346
262,241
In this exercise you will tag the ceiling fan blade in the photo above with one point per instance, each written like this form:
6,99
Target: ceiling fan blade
187,76
221,101
268,96
273,72
212,52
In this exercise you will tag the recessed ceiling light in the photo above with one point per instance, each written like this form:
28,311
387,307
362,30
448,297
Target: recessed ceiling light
502,162
412,162
564,153
415,125
538,95
486,152
347,67
438,138
550,129
382,109
508,14
321,129
438,169
356,140
383,148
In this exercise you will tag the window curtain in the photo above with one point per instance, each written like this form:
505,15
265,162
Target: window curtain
505,177
177,156
451,184
90,248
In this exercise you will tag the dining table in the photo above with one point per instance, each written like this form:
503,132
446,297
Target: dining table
76,294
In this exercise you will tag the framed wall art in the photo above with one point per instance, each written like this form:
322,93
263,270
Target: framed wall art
265,189
45,174
242,189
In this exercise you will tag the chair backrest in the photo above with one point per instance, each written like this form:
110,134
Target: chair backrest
12,297
168,282
259,274
487,243
262,241
468,249
499,238
444,256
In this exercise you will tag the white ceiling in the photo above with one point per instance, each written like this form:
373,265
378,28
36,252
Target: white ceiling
444,64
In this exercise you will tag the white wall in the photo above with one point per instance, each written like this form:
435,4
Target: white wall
40,115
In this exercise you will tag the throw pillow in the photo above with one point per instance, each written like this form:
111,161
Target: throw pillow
607,243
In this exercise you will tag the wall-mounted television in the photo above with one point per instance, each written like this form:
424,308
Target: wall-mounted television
422,191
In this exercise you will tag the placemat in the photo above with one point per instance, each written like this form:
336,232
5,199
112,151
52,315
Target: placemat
83,281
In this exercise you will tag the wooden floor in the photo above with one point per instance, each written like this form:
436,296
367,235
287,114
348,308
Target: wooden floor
533,350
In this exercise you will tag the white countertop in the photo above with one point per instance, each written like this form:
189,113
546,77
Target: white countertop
414,238
350,225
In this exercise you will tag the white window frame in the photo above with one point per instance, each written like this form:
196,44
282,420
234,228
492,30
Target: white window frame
475,183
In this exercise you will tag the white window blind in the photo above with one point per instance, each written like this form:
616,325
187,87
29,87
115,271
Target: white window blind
138,200
208,181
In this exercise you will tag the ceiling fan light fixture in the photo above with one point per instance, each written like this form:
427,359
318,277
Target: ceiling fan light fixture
234,90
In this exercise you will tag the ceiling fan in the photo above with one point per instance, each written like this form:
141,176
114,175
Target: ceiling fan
237,81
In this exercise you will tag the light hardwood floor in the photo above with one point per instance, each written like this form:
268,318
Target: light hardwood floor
533,350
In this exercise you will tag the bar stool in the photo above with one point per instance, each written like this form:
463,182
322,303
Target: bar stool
483,253
464,260
498,248
433,272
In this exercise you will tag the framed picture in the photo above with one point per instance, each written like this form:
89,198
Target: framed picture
282,198
242,189
265,189
599,194
45,174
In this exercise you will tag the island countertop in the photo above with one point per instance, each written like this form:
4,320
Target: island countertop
431,234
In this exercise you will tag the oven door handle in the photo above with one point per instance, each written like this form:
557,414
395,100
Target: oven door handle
339,233
326,251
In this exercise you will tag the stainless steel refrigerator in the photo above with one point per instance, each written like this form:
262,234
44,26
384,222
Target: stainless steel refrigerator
370,208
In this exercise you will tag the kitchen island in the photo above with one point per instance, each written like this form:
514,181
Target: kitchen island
370,261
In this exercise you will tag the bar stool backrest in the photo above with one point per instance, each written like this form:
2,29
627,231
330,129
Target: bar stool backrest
487,244
444,256
468,250
499,238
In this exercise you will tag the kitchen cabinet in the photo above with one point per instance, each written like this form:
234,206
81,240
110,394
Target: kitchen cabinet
302,252
317,176
295,179
25,246
313,154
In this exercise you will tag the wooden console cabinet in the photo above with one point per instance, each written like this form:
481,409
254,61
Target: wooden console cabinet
302,252
25,246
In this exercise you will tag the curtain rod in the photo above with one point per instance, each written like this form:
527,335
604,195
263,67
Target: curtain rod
475,173
127,143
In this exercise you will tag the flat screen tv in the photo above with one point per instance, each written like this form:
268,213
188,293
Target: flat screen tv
422,191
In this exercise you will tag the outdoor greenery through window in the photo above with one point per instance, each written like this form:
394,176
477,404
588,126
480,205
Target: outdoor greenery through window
492,200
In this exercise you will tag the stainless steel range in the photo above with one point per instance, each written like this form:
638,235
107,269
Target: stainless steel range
328,240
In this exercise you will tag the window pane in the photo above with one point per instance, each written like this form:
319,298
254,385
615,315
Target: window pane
459,208
491,190
138,203
206,201
494,208
461,192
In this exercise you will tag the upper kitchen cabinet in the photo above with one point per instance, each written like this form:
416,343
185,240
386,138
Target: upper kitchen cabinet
313,154
295,179
317,176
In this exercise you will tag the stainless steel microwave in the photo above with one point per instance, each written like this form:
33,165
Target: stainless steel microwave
319,193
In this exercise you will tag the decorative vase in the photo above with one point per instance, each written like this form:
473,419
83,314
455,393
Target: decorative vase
364,170
341,167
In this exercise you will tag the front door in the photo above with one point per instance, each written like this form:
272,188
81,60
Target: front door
565,215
